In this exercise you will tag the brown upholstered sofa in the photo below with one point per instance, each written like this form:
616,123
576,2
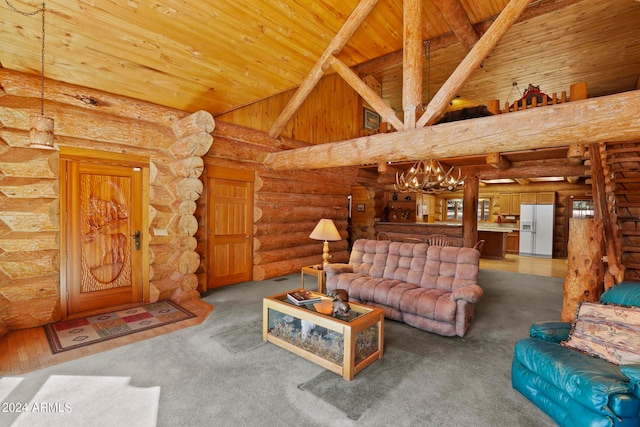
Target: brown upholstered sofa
433,288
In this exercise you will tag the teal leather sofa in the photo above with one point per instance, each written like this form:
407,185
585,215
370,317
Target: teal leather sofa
573,388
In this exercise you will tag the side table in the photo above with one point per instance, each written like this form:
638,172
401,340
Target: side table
319,273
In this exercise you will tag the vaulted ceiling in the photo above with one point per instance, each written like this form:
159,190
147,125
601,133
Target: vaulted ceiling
218,55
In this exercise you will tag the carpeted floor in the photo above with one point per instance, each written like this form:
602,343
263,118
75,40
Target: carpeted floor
221,373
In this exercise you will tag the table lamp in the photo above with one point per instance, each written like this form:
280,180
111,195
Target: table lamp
325,230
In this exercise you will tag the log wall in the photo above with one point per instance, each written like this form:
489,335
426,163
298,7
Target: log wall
174,142
287,204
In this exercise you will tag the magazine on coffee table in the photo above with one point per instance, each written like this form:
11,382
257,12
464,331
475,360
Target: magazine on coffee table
301,296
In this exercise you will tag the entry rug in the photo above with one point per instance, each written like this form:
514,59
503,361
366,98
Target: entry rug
75,333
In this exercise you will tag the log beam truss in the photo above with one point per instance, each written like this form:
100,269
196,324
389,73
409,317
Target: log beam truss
412,61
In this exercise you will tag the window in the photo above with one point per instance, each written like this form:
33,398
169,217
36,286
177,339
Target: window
454,209
484,208
582,208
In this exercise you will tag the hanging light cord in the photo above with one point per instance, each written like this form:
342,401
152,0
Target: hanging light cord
35,12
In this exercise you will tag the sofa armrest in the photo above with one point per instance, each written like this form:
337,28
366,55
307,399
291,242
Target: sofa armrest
470,293
633,373
554,331
335,269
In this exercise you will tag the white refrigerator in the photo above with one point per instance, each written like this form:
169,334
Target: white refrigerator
536,230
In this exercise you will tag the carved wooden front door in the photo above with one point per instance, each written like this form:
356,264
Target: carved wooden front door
103,236
230,222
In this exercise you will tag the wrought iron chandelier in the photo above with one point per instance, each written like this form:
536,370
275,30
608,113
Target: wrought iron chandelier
430,177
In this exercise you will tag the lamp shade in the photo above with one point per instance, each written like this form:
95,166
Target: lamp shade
325,230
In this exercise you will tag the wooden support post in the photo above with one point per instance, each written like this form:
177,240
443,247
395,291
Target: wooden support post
602,212
470,212
412,61
585,269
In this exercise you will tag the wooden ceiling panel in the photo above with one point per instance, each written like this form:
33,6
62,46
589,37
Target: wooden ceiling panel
218,55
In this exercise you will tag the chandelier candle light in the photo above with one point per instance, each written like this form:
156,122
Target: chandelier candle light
325,230
430,177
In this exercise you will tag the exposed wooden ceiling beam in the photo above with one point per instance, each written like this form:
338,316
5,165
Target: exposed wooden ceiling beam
520,170
497,161
604,119
347,30
395,58
472,61
458,20
369,95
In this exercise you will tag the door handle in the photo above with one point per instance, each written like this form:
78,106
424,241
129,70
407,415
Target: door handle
136,240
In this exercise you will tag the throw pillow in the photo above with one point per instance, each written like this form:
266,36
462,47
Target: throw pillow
625,293
609,332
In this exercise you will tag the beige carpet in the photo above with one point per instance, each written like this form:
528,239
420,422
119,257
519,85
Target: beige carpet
87,401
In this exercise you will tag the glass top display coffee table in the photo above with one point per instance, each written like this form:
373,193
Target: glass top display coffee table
345,345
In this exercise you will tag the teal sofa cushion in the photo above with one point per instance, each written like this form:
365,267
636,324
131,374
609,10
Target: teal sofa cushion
550,331
586,379
625,293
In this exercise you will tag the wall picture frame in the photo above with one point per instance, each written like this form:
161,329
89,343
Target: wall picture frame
371,119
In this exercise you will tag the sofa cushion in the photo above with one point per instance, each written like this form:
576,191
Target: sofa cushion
450,268
369,256
625,293
405,262
554,331
430,303
587,379
609,332
633,373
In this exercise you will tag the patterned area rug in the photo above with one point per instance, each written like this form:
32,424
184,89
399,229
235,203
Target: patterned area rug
70,334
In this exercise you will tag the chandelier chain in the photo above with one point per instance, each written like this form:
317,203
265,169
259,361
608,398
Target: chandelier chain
15,9
42,68
35,12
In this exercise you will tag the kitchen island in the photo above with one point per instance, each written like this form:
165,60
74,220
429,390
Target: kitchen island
495,242
494,235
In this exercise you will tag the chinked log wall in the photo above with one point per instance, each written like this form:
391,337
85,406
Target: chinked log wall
287,204
29,196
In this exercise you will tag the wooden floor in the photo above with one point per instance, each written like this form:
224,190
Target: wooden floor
556,267
28,350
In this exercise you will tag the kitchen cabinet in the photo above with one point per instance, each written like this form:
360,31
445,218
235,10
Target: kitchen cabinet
546,198
513,242
510,204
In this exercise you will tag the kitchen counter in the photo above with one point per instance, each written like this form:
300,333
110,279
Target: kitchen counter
495,243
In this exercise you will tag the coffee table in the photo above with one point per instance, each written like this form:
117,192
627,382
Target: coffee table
344,345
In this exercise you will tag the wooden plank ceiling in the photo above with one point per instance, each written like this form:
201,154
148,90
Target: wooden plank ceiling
218,55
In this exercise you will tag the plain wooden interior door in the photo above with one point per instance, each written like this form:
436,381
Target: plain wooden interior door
103,230
230,222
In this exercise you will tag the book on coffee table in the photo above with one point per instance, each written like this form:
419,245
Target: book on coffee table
303,297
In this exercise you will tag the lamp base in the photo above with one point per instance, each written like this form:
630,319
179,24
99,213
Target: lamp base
325,254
